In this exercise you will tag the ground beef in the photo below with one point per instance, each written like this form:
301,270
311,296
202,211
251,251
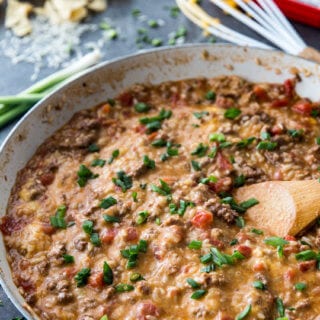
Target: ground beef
221,210
252,175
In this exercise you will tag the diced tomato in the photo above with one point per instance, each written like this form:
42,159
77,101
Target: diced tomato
27,285
307,265
47,178
287,250
107,235
280,103
147,309
290,274
244,250
222,184
259,266
131,234
203,219
96,280
276,130
302,106
216,243
289,238
260,93
152,136
140,128
289,85
70,272
223,316
223,162
126,99
48,228
10,224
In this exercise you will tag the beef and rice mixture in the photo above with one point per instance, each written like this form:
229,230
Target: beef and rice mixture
127,211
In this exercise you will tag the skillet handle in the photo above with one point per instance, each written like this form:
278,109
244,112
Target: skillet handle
310,53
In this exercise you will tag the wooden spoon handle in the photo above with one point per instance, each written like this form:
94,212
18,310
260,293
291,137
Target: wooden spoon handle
310,53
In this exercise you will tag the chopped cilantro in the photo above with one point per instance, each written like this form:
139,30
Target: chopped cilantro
123,181
107,274
85,174
82,276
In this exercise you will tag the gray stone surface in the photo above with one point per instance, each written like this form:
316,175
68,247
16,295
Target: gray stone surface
14,78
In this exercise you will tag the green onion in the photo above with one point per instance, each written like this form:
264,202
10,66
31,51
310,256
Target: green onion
208,268
210,95
249,203
95,240
239,181
85,174
225,144
196,165
158,221
58,220
200,151
266,145
193,284
195,244
114,155
107,274
256,231
93,148
142,107
159,143
68,258
275,241
295,133
237,255
153,23
156,42
318,140
142,217
105,317
135,196
200,115
300,286
245,142
232,113
98,163
209,179
265,135
259,285
135,12
123,181
124,287
280,307
135,277
240,222
82,276
108,202
306,255
233,242
242,315
111,219
213,152
87,226
164,189
219,137
149,163
198,294
174,11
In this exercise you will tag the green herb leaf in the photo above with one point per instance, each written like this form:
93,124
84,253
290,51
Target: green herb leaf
115,154
124,287
209,179
142,217
111,219
300,286
58,221
84,174
245,142
108,202
107,274
213,152
68,258
280,307
249,203
239,181
265,135
159,143
195,244
105,317
135,277
153,23
233,242
158,221
218,137
87,226
164,189
240,222
82,276
259,285
95,240
256,231
295,133
232,113
123,181
210,95
198,294
93,148
135,196
98,163
149,163
242,315
142,107
196,165
306,255
318,140
174,12
193,284
275,241
267,145
135,12
200,115
156,42
200,151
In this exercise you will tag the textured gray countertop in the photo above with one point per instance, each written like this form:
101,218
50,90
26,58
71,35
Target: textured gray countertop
15,78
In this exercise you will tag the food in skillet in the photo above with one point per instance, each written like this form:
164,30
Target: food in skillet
127,211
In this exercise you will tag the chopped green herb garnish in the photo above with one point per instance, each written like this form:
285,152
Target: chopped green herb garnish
195,244
93,148
135,12
318,140
153,23
154,123
82,276
142,217
87,226
239,181
107,274
156,42
142,107
266,145
123,181
232,113
174,11
295,133
67,258
105,317
164,189
193,284
95,240
85,174
108,202
183,206
213,152
196,165
124,287
225,144
240,222
249,203
233,242
256,231
172,151
245,142
209,179
200,151
208,268
159,143
300,286
210,95
242,315
276,241
198,294
135,277
111,219
265,135
200,115
135,196
149,163
158,221
259,285
143,186
114,155
58,220
219,137
98,163
237,207
306,255
280,307
131,253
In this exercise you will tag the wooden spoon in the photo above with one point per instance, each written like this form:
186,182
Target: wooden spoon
285,207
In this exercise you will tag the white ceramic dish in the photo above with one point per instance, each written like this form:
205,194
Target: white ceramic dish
108,79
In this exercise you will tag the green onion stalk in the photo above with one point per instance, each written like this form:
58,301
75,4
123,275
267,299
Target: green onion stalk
12,107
